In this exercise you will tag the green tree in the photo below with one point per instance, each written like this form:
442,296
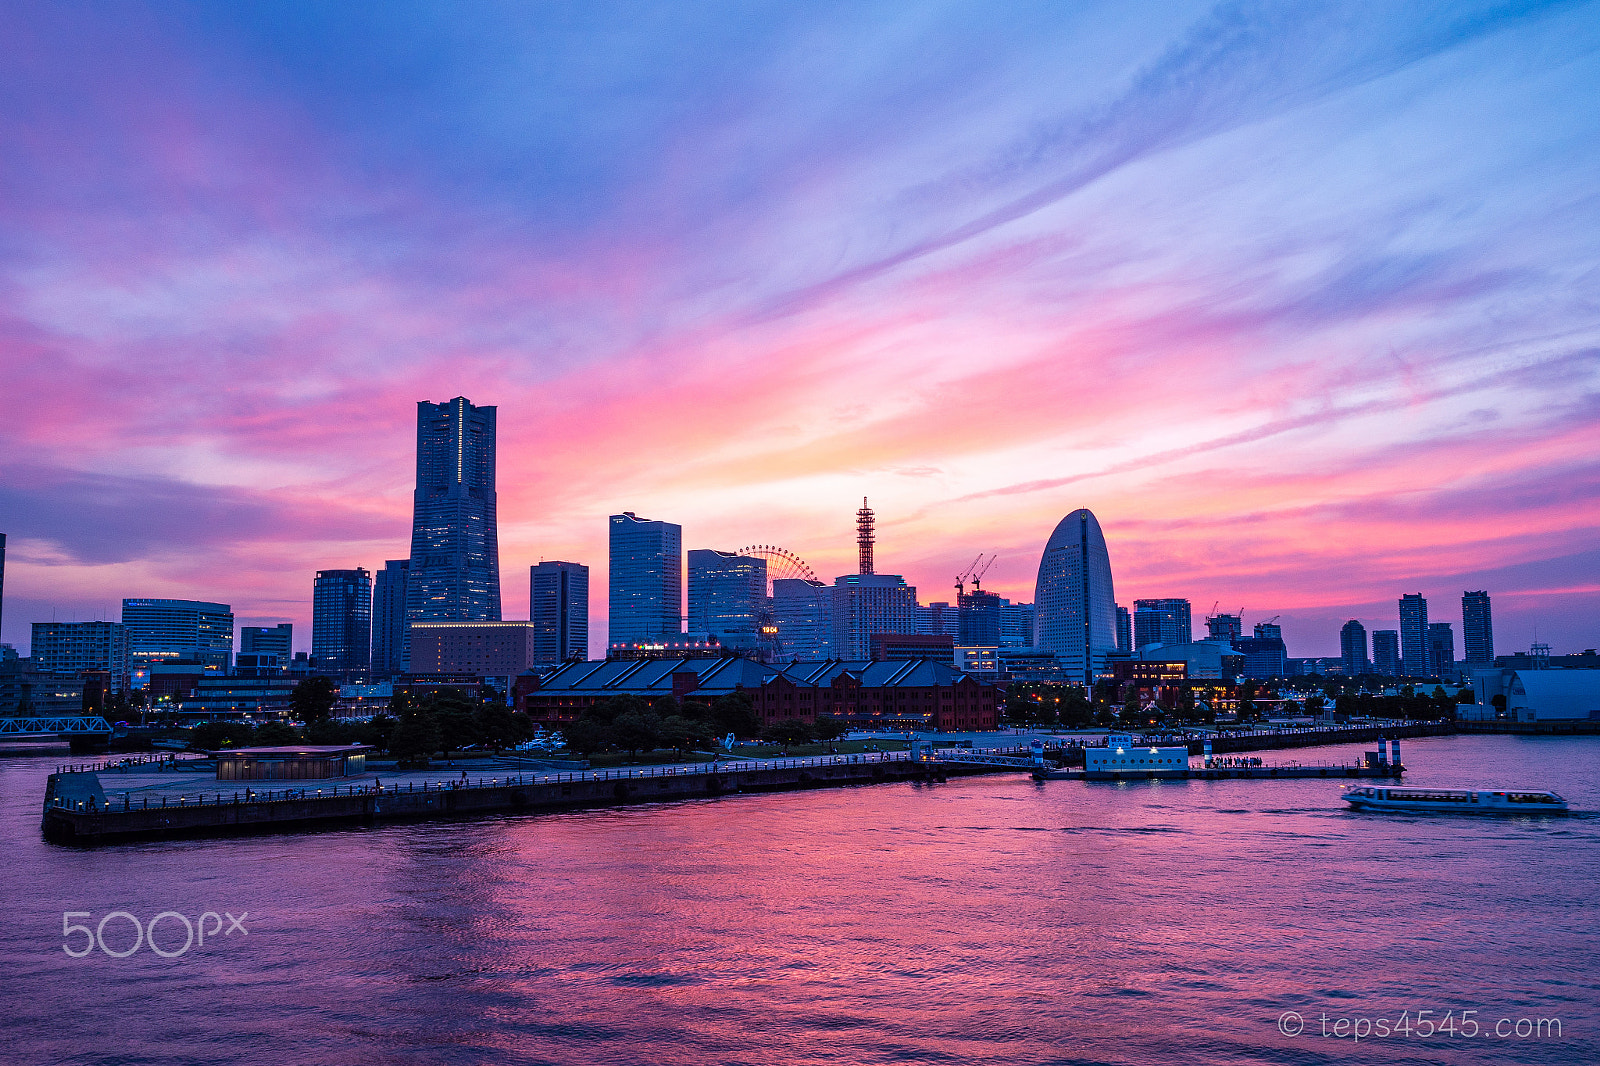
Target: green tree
377,731
276,734
735,714
789,731
637,731
497,724
829,728
453,713
212,736
312,699
685,733
588,735
415,737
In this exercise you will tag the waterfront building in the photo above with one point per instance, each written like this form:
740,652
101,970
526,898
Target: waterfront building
1265,654
980,662
1414,636
454,572
865,605
341,620
73,647
1386,652
210,697
558,606
473,649
389,617
1210,659
728,597
802,610
26,690
980,618
1441,651
172,630
1016,624
890,647
1074,600
1162,621
1353,648
1477,629
1124,630
938,619
276,640
645,581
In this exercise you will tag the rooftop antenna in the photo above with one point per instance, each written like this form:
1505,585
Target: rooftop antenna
864,538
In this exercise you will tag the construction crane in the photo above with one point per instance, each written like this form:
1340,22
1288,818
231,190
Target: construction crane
961,578
977,575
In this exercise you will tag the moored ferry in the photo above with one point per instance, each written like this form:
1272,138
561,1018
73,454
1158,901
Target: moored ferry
1454,800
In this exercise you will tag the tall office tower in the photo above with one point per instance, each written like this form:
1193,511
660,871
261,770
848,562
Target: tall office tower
1477,629
455,542
1441,651
1124,629
1353,648
1224,627
260,640
558,606
71,647
1075,603
179,630
1386,652
980,619
1016,625
867,605
389,617
938,620
802,609
1414,636
727,597
1163,621
341,619
646,580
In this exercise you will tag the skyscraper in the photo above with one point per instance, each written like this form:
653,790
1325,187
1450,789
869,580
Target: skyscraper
980,619
1164,621
1124,629
455,543
1353,647
1224,627
727,597
179,630
646,580
1076,608
1414,636
1386,652
1441,651
341,619
558,603
1016,625
389,617
71,647
1477,630
802,609
261,640
867,605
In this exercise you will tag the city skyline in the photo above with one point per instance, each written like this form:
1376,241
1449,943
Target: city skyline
1357,366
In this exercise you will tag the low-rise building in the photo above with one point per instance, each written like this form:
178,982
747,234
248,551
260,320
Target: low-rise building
477,649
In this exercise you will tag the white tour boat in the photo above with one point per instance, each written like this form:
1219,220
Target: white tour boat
1454,800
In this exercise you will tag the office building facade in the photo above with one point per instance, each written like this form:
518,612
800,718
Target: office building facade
389,617
455,544
1477,630
1441,651
728,597
1163,621
939,619
1016,625
472,649
865,605
341,620
1386,652
179,630
1414,636
558,607
275,640
73,647
1353,648
802,610
1075,604
980,618
1124,629
646,580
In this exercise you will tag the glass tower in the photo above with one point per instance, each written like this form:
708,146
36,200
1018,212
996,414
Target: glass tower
1353,648
727,597
1477,629
389,617
341,619
455,544
1075,607
802,609
179,631
646,580
558,607
1163,621
1414,636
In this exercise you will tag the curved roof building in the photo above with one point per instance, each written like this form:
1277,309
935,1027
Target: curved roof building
1076,607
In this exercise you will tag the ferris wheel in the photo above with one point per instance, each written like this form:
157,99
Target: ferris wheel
781,563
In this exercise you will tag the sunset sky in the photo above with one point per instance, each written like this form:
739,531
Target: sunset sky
1302,300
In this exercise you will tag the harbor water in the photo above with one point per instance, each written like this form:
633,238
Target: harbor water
981,920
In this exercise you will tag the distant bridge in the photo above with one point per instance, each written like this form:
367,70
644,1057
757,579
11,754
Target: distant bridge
45,726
